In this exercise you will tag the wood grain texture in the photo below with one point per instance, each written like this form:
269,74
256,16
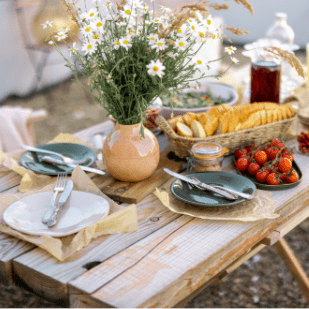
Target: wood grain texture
151,217
184,261
134,192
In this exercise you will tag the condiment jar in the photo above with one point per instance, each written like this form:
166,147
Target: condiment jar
205,157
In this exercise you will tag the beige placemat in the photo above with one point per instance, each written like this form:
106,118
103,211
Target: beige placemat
120,220
261,207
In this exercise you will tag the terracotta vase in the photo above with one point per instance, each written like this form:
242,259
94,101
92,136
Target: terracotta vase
127,156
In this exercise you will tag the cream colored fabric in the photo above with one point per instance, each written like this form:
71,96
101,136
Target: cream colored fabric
13,128
120,220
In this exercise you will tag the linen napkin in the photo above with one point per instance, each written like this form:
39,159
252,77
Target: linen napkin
13,128
120,220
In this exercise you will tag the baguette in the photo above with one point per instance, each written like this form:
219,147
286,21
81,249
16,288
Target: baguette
197,129
184,130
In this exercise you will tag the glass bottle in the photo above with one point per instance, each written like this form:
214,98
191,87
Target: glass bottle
280,30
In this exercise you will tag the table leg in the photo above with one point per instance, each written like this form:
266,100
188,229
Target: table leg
288,257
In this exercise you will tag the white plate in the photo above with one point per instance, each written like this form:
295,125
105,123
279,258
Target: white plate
81,210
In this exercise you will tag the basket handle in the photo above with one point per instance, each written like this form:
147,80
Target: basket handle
165,127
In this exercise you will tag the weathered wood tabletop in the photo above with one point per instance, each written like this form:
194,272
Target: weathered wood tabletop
165,263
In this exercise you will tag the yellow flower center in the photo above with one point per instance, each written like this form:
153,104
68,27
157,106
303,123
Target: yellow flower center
99,24
156,69
157,20
208,21
91,14
152,38
117,43
181,44
128,12
89,46
72,48
159,44
201,34
126,42
87,29
64,27
60,34
230,48
190,20
95,36
214,36
193,27
199,62
179,31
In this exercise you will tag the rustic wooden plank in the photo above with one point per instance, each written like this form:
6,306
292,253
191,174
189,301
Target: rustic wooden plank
134,192
180,264
293,266
47,271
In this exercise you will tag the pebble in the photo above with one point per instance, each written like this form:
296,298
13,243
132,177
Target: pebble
255,278
255,299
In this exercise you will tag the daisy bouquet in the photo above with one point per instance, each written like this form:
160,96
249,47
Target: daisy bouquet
130,56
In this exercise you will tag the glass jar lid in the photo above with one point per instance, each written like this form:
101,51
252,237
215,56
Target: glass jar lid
207,150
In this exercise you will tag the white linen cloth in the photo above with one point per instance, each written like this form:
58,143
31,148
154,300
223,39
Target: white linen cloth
13,128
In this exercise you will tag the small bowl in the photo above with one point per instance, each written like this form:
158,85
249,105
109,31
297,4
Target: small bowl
218,89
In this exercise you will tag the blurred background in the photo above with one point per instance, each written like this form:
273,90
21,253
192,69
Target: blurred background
33,75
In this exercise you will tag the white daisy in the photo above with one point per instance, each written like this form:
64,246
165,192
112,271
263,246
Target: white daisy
157,20
234,60
116,44
86,31
73,49
199,62
91,14
89,48
61,35
107,4
201,35
145,9
181,43
109,17
209,20
96,38
230,50
182,30
193,26
152,38
121,23
128,11
165,9
155,68
191,20
159,45
66,29
126,42
51,43
137,4
47,23
97,24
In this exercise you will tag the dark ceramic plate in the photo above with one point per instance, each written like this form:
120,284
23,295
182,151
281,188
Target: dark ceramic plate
73,151
198,197
265,186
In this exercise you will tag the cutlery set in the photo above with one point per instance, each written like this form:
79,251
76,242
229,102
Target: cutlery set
50,216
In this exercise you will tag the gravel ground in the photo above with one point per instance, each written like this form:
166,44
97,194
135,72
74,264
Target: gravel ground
261,282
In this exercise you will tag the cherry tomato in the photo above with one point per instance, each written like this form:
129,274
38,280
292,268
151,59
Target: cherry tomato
293,177
285,165
287,154
272,153
283,177
250,148
277,142
253,168
242,164
239,152
272,179
261,176
260,157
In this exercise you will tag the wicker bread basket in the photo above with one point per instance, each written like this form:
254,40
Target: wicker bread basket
180,145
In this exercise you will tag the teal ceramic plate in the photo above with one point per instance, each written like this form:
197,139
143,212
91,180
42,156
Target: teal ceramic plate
73,151
198,197
265,186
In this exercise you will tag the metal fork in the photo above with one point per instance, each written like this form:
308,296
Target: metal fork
59,187
231,191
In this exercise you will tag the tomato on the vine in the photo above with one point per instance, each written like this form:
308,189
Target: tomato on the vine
277,142
285,165
239,152
272,153
273,179
261,176
260,157
242,164
250,148
287,154
253,168
291,178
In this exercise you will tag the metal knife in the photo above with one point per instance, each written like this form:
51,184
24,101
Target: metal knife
201,184
63,198
59,162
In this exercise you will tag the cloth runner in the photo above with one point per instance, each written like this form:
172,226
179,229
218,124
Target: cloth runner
13,128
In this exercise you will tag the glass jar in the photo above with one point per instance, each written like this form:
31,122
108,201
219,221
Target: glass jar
280,30
205,157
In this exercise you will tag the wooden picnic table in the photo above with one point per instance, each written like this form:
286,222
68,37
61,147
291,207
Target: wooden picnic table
165,263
